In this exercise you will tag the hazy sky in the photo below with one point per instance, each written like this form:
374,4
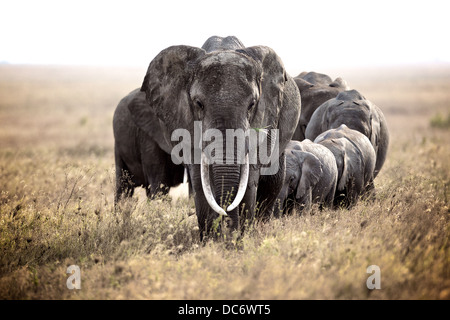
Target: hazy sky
307,35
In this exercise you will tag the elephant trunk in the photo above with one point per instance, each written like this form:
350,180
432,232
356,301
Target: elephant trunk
226,183
229,184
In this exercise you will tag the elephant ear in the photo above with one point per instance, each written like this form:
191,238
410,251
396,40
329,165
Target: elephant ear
311,172
302,84
337,146
165,87
272,84
351,161
279,103
375,126
148,120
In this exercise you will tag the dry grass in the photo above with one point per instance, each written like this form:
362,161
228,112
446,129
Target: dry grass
56,210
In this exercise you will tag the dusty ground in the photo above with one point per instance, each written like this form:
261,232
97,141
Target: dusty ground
56,185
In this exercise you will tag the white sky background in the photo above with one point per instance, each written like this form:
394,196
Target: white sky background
307,35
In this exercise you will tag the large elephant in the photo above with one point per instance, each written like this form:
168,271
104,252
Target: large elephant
354,110
355,160
191,90
315,88
311,176
142,157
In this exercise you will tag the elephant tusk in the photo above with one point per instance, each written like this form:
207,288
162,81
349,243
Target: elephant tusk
206,185
242,185
185,176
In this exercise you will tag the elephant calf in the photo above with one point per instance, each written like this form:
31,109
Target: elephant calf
315,89
357,113
311,176
141,158
355,160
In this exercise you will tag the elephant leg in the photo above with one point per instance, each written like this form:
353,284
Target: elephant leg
370,192
124,183
289,205
174,172
307,201
281,201
341,198
329,200
247,208
269,188
355,189
155,181
159,171
278,207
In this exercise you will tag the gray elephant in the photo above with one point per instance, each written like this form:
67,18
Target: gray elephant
311,176
355,160
222,90
142,158
315,88
354,110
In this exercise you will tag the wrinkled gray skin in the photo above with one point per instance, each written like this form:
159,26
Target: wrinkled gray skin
223,88
358,113
216,43
355,160
311,176
142,158
315,88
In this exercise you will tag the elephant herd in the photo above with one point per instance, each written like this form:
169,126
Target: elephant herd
328,142
349,130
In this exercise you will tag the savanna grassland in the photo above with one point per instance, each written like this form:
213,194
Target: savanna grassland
56,204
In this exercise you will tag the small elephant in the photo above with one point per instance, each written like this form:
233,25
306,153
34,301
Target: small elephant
215,90
356,112
315,88
311,176
142,158
355,160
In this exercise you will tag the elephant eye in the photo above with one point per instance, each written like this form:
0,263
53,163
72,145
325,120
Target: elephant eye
199,104
251,105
